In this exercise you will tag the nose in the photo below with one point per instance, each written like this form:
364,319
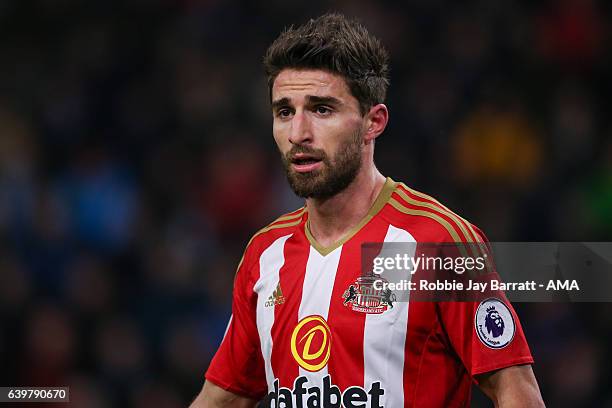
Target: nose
300,132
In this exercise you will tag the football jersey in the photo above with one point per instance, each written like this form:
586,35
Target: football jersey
303,334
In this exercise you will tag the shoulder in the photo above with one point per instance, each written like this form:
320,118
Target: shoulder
282,226
426,217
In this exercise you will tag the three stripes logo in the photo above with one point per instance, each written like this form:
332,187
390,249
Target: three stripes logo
276,298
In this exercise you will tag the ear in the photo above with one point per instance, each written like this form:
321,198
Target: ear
375,122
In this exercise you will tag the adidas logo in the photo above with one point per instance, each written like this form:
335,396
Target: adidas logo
276,298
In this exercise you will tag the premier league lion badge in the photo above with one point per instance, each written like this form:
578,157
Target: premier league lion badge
494,323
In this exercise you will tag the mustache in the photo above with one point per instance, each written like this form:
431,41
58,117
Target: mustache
317,154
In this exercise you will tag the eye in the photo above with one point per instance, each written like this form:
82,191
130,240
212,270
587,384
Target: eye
323,110
283,113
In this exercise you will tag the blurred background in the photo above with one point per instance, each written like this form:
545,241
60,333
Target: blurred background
136,160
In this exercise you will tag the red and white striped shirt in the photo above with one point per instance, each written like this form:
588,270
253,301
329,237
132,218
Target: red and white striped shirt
293,339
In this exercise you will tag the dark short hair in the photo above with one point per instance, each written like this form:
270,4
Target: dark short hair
336,44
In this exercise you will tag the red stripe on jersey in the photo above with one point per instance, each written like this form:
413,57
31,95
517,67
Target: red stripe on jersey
423,345
291,280
346,363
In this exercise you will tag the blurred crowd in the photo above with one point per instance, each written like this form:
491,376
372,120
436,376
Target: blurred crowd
136,159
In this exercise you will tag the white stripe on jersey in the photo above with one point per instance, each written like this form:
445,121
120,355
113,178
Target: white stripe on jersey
384,338
316,296
270,262
228,326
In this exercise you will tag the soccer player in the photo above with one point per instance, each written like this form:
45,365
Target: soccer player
299,335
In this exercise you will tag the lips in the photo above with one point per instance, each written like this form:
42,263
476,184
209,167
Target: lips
303,162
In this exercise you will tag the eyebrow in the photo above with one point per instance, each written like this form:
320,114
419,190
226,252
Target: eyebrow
327,100
280,102
310,100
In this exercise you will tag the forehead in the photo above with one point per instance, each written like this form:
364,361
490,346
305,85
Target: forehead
301,82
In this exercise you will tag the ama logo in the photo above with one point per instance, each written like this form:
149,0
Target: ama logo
494,323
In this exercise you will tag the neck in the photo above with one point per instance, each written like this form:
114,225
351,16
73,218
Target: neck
332,218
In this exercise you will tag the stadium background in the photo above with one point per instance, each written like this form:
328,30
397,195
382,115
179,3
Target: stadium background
136,159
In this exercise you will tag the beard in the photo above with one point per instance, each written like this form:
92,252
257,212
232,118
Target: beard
335,174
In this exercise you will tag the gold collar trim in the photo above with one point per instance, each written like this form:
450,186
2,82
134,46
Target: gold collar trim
379,203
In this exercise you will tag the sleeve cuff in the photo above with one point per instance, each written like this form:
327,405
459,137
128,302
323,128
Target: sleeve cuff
254,395
501,364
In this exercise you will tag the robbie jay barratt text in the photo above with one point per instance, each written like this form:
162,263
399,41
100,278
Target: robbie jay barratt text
494,285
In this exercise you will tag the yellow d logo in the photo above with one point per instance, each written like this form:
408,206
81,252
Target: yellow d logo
311,343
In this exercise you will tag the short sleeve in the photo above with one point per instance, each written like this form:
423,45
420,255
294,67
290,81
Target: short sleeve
238,365
486,335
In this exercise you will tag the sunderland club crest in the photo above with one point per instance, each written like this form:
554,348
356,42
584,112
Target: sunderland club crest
362,295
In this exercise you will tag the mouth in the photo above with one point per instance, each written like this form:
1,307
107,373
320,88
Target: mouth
304,163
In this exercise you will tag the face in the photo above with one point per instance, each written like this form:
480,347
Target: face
318,129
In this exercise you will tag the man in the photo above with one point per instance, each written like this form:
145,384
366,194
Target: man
294,340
